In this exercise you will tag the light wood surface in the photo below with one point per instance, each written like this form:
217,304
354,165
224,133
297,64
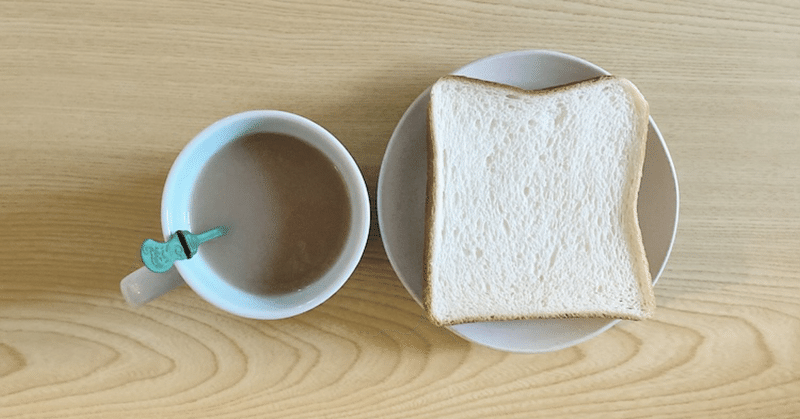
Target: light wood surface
97,99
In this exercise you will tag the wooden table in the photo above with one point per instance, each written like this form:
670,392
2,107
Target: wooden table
98,98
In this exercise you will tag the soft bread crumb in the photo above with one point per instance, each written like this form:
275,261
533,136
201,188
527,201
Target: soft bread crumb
531,209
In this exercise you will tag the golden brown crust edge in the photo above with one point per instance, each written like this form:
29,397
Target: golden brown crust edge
545,91
642,110
580,315
429,213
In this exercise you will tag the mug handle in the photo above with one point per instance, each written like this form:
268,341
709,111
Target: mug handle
142,285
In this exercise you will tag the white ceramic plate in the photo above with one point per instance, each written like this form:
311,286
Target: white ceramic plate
401,200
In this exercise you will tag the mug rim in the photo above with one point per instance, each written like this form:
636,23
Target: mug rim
211,286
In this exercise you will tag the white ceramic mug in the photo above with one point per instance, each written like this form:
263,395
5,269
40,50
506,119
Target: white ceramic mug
142,286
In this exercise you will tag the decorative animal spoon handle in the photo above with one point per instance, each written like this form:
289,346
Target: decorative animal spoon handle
159,257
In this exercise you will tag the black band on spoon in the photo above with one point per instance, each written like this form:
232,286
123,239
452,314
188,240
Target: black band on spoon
184,244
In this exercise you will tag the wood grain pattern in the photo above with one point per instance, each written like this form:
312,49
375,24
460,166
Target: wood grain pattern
97,99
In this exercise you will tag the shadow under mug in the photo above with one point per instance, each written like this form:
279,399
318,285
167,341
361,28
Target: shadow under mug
142,286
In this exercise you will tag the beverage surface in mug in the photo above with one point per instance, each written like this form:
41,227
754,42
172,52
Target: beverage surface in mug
286,207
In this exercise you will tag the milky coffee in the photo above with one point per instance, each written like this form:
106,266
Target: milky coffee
286,207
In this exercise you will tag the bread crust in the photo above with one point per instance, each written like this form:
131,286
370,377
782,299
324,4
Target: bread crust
430,211
576,315
642,109
631,198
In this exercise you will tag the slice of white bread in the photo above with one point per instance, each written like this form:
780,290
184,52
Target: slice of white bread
531,205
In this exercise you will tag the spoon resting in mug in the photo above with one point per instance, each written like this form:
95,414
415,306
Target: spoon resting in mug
159,257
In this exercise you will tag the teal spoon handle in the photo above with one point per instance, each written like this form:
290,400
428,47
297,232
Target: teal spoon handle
195,240
159,257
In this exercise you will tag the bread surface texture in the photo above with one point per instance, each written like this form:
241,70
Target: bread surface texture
531,202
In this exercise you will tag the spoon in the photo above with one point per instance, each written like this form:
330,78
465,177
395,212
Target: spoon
159,257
